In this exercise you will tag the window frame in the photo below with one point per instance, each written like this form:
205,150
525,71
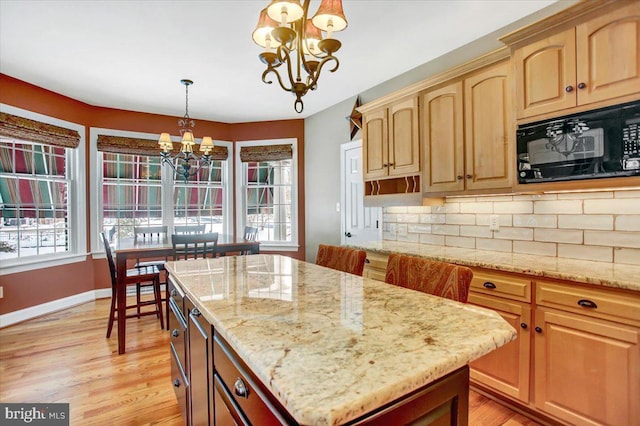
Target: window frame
167,181
241,199
77,205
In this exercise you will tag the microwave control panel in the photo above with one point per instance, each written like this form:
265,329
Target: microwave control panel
631,146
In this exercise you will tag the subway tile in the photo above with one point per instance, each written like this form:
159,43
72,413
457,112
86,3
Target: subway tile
495,198
389,236
461,219
513,207
612,238
408,218
635,193
475,231
420,229
452,207
558,207
494,245
530,247
402,229
508,233
433,218
626,255
585,195
390,217
419,209
575,251
395,209
445,229
409,238
629,222
535,220
570,236
535,197
503,219
614,206
462,200
476,208
437,240
464,242
586,221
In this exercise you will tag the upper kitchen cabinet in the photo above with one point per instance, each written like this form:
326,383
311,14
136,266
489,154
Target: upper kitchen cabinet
466,129
587,62
391,148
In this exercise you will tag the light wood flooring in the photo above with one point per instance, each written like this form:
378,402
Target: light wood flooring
65,357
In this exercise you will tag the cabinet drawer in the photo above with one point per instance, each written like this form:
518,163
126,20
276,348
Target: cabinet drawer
502,285
244,390
180,385
177,296
178,332
377,261
597,302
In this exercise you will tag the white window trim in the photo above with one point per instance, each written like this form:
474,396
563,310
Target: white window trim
241,193
167,181
77,211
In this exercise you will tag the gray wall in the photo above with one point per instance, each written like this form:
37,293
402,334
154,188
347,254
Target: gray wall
328,129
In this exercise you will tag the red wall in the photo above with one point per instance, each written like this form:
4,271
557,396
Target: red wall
22,290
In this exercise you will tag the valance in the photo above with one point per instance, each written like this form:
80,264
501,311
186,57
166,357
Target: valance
25,129
137,146
251,154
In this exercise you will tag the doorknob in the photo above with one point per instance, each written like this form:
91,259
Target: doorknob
347,234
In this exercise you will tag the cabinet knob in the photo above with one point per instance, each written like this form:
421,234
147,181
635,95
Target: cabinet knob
195,312
488,284
175,333
538,330
240,388
459,177
385,165
568,89
390,164
585,303
469,176
523,325
176,383
581,85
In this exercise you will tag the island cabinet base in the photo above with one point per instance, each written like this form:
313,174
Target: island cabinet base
241,399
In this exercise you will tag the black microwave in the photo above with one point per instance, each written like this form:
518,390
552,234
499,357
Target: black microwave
596,144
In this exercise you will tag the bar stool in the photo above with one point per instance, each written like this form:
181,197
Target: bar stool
343,259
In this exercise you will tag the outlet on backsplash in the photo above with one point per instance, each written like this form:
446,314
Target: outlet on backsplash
494,224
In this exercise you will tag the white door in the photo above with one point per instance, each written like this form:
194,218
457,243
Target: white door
359,223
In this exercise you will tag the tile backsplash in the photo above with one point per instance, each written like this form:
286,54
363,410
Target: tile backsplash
600,226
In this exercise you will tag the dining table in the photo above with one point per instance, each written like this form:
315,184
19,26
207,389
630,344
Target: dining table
128,251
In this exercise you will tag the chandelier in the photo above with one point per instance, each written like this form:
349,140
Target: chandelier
291,39
185,163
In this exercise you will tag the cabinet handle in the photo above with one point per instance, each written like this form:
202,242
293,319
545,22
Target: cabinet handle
523,325
175,333
459,177
385,165
390,164
568,89
174,293
367,261
195,312
469,176
240,388
488,284
176,383
538,330
587,303
581,85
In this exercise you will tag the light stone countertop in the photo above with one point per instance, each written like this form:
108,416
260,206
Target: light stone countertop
583,271
332,346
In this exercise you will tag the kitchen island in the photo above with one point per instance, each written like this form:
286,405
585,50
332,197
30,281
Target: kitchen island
316,346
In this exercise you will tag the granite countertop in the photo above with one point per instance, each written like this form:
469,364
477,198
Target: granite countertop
598,273
333,346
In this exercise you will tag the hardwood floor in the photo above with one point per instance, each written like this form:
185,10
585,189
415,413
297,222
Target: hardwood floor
65,357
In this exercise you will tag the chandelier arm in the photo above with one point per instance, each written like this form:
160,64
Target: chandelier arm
313,80
275,71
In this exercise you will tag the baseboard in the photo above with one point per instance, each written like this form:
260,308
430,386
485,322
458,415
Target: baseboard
53,306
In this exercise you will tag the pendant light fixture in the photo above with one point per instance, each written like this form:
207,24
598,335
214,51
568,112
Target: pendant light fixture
292,39
185,163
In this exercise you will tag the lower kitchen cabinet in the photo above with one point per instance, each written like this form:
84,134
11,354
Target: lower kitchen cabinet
178,348
375,266
200,367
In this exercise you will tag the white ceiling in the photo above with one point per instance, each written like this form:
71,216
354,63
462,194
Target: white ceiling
132,54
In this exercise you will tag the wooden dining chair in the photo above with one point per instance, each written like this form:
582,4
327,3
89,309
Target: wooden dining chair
429,276
151,234
189,229
137,277
250,233
194,246
343,259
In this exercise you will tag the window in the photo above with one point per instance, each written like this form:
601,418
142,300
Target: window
267,191
136,189
41,193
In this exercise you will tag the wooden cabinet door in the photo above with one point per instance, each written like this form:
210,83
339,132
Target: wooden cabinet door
507,368
404,138
489,129
441,124
200,367
608,54
587,371
546,75
375,144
